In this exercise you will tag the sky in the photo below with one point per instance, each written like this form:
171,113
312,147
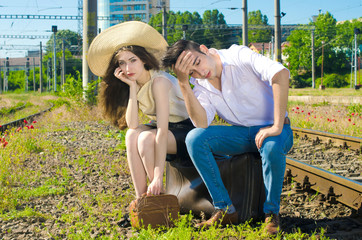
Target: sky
297,12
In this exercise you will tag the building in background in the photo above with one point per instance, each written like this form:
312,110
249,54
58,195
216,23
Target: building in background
103,11
126,10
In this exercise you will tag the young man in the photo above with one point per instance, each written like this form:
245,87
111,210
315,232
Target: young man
250,92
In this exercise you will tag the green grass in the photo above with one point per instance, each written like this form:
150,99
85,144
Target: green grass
338,119
184,229
327,92
20,183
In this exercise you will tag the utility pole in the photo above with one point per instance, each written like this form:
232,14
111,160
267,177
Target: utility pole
54,30
321,87
245,22
184,29
278,45
272,47
63,64
313,61
6,76
34,75
89,33
164,20
27,74
49,73
1,83
356,32
41,69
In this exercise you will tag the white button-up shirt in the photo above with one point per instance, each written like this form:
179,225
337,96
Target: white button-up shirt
246,96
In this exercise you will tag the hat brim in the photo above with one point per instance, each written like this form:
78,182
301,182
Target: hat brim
124,34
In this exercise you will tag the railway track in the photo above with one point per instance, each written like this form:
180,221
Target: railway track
335,187
343,141
12,109
292,217
20,122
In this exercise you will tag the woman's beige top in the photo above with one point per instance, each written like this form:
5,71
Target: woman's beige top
146,100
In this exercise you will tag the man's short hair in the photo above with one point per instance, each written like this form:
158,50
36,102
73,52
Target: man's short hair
174,51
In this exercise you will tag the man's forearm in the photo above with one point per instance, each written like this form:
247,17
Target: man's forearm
280,92
196,112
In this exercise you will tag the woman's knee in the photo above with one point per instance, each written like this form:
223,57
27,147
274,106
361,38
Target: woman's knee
131,137
146,140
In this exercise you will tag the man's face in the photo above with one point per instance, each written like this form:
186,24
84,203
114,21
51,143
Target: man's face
203,66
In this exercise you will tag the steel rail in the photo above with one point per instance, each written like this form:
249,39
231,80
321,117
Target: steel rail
20,122
344,141
333,186
14,109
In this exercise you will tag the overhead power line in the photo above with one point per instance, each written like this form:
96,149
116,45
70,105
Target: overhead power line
25,36
191,26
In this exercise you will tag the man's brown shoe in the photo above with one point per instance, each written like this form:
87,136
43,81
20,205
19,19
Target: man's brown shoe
272,223
219,217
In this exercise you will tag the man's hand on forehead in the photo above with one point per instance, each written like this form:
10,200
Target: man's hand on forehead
183,65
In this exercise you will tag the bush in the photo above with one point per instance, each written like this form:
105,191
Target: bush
333,81
299,82
73,88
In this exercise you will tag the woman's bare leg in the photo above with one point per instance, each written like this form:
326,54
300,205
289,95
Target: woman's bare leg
135,164
146,147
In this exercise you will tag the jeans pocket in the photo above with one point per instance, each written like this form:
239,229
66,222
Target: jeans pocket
288,143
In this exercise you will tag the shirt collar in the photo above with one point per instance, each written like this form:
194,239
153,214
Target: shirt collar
225,61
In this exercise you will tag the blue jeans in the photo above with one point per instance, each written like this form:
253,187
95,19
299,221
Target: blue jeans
204,143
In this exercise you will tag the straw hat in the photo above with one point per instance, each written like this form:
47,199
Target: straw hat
127,33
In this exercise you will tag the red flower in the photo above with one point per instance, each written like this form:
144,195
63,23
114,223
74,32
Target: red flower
34,122
18,129
31,127
5,143
308,113
349,119
297,108
26,122
353,124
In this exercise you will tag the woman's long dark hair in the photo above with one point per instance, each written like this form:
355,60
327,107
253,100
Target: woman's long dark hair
113,93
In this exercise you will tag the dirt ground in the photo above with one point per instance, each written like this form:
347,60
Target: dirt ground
298,210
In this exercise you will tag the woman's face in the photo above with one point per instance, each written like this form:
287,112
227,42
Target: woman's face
131,65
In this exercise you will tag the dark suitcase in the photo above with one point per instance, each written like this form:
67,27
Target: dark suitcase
160,210
242,177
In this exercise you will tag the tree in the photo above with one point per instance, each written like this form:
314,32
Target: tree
257,20
72,64
217,38
70,39
187,18
211,37
327,36
334,60
299,52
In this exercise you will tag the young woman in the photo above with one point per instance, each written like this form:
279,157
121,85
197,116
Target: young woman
131,82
